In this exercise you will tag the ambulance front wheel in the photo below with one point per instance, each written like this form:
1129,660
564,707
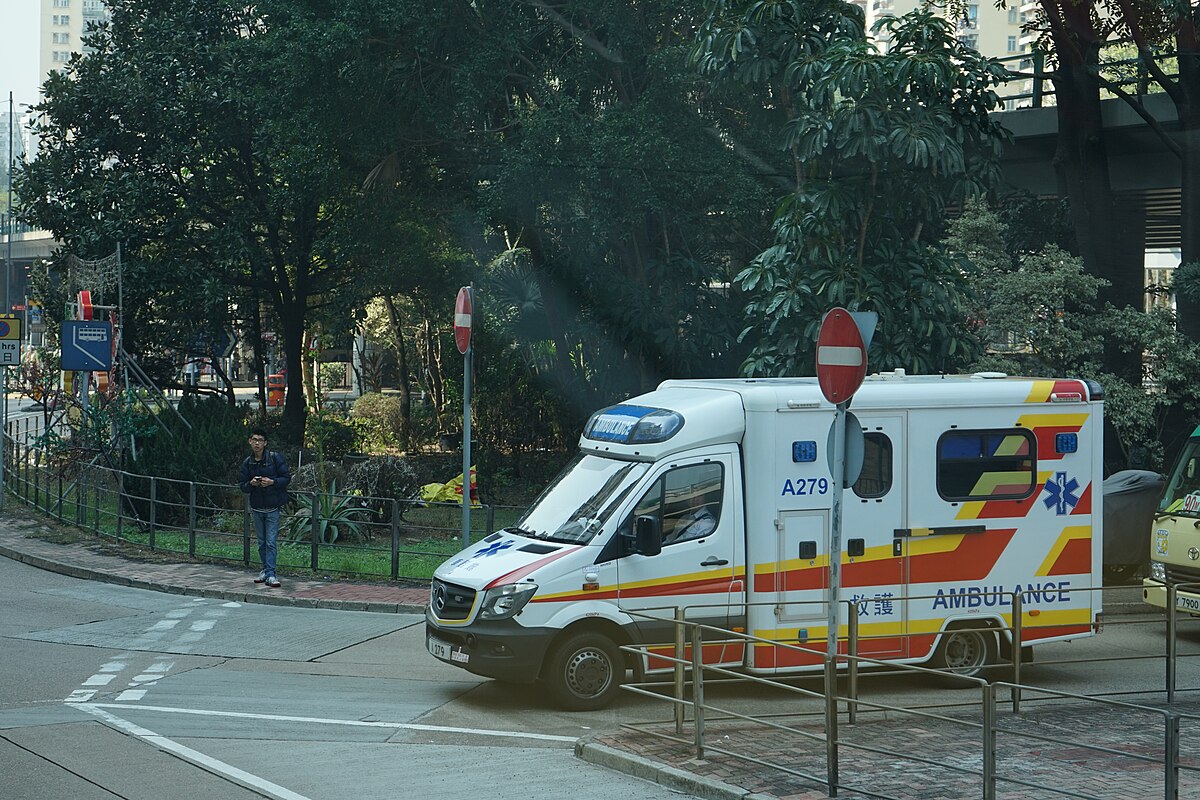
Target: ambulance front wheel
966,652
584,672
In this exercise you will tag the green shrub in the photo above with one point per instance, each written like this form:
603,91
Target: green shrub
331,435
380,414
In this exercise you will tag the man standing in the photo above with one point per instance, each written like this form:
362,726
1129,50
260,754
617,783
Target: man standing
264,478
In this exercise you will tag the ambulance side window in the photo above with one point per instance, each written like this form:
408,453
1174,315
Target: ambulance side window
686,501
986,465
875,480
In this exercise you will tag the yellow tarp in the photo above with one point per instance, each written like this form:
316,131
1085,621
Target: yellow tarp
450,491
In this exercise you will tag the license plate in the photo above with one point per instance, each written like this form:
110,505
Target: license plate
446,651
1187,603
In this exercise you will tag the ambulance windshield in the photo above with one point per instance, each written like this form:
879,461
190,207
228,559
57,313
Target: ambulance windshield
575,506
1182,495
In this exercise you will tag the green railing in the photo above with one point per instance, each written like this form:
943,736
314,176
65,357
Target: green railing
330,534
1030,88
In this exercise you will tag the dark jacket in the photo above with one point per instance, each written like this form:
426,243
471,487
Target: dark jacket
266,498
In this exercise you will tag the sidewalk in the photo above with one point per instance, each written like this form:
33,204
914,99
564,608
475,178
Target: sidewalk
643,751
82,555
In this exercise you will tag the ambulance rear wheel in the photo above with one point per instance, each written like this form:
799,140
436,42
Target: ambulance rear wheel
584,672
965,652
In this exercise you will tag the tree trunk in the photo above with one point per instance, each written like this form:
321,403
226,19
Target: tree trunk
257,348
1106,240
294,408
1189,193
401,363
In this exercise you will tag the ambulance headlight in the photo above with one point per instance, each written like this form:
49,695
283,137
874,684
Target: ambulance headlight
502,602
1158,571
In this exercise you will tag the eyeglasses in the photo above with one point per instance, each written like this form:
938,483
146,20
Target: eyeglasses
257,439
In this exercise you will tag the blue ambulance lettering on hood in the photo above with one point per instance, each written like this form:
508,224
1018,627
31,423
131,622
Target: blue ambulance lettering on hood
493,548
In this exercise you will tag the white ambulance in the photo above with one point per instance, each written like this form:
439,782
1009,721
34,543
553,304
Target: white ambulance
714,496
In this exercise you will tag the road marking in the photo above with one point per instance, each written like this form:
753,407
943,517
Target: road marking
131,694
79,696
194,756
113,666
98,680
203,624
165,625
411,726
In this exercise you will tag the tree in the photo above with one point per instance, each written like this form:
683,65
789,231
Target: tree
226,145
1042,313
580,127
1110,240
880,145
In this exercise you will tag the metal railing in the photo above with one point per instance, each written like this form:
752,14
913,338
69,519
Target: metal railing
1029,88
833,706
343,534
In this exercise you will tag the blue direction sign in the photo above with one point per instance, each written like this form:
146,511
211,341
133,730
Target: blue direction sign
87,346
220,345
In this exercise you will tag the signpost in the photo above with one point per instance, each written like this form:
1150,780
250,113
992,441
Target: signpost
841,367
464,311
86,346
10,355
10,342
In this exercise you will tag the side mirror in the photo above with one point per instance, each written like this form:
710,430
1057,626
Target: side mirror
648,536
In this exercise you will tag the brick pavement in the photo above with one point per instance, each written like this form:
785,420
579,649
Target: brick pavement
1056,759
1052,760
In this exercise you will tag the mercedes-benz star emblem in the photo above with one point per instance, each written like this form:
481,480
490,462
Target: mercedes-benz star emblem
439,598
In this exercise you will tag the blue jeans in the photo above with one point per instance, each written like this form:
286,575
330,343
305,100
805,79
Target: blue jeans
266,526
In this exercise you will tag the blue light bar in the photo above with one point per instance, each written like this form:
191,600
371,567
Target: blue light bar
1066,442
804,452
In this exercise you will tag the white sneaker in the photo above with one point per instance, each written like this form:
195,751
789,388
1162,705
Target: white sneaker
262,577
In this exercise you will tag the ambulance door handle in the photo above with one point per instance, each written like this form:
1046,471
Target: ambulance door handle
713,561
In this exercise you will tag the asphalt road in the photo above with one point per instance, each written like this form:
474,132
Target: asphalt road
112,692
108,691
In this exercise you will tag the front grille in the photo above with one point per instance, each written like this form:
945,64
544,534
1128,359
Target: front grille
1178,574
450,601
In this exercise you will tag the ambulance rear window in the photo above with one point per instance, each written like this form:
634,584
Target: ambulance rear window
875,479
986,465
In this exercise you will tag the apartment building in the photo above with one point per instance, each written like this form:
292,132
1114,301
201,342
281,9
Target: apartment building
63,25
994,32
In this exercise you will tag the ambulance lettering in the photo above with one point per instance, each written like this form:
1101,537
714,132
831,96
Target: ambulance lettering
805,486
879,605
995,596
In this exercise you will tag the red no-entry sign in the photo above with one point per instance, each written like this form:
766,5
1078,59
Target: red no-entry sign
841,356
462,320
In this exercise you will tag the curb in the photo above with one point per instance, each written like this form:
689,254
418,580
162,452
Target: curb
670,777
85,573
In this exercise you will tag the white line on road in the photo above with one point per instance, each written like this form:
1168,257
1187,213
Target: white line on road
131,694
208,763
412,726
99,679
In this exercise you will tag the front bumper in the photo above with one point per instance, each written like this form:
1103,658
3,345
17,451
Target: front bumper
503,650
1155,593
